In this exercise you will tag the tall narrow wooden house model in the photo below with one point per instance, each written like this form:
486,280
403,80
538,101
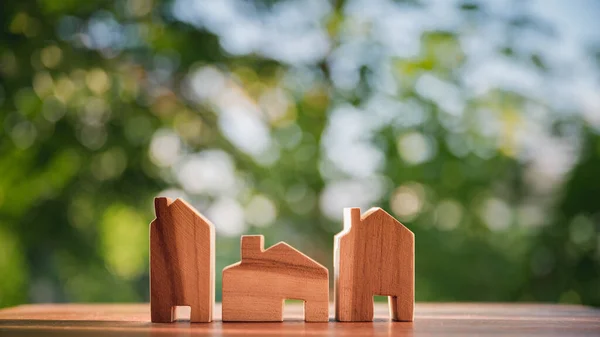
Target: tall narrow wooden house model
182,262
374,255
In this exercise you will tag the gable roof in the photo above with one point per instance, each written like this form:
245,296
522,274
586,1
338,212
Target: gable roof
179,206
283,249
184,206
279,256
377,212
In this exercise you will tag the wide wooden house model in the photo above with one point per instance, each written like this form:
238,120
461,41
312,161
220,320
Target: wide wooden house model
255,288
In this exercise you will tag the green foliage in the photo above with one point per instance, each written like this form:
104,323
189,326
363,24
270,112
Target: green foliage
106,104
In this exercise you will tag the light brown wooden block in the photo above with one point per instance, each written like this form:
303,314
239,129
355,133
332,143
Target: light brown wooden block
255,288
374,255
182,262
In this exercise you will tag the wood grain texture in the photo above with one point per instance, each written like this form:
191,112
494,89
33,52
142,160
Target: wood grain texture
182,262
255,288
473,319
373,255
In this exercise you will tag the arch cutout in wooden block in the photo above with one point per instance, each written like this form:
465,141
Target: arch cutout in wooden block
255,289
373,255
182,262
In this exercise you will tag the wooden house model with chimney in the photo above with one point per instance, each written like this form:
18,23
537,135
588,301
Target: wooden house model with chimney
182,262
255,288
373,255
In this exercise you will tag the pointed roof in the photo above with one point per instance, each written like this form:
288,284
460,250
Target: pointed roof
186,207
180,206
283,249
378,212
280,255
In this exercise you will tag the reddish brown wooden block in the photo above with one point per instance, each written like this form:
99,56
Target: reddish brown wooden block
255,288
182,262
374,255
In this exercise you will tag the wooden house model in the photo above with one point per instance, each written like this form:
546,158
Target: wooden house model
182,262
373,255
255,288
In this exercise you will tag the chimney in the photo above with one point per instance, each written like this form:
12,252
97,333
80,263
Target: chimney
161,205
252,246
351,217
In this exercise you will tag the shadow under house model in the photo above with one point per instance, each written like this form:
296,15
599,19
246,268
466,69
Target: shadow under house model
255,288
182,262
374,255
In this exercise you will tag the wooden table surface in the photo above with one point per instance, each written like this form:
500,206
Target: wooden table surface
430,320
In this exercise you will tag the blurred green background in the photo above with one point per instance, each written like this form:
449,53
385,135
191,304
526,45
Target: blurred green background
475,123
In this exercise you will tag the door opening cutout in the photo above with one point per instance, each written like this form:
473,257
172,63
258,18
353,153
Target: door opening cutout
290,309
182,313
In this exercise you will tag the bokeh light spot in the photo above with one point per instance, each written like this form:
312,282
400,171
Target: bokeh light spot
165,148
124,241
448,214
415,148
260,211
408,200
51,56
